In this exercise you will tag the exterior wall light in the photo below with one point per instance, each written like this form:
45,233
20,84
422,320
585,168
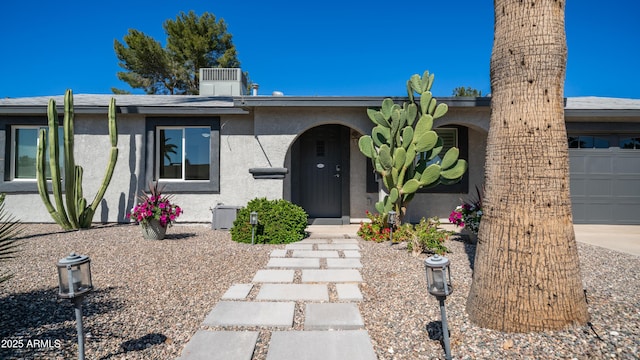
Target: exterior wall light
253,220
391,220
439,285
74,278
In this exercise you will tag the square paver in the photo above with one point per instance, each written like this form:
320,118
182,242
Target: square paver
274,276
346,263
338,247
293,292
332,316
352,254
348,292
243,313
280,253
237,292
330,275
314,241
321,345
315,254
344,241
294,263
298,246
220,345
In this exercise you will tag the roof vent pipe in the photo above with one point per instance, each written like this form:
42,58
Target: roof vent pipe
254,89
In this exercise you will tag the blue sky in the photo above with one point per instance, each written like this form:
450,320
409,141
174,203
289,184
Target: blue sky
324,48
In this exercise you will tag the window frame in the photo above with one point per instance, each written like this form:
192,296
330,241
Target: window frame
152,170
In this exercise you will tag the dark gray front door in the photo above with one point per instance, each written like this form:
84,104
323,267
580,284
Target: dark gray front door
321,171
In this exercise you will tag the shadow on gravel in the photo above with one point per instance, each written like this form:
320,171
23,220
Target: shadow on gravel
41,316
179,236
139,344
469,248
434,329
61,231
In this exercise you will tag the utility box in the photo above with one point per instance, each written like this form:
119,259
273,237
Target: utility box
224,216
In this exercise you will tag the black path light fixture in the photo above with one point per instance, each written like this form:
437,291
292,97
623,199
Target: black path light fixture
74,279
253,220
439,285
391,220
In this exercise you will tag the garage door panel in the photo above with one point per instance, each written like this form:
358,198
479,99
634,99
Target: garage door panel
605,186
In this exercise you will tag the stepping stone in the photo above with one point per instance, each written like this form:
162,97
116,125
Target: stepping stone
292,263
315,254
280,253
338,247
348,292
332,316
331,275
241,313
344,241
220,345
314,241
299,246
352,254
274,276
344,263
295,292
321,345
237,292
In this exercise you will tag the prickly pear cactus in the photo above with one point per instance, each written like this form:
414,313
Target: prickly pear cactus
402,147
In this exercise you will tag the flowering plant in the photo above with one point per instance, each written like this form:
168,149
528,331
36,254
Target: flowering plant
156,206
469,214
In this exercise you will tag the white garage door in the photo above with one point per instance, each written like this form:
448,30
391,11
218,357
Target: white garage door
605,186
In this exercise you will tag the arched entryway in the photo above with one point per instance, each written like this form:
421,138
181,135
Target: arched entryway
320,173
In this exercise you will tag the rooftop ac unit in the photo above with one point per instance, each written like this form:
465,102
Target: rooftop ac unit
222,82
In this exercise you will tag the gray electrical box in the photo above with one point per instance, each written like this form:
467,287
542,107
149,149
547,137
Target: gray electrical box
224,216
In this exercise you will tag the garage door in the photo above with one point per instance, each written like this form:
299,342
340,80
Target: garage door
605,186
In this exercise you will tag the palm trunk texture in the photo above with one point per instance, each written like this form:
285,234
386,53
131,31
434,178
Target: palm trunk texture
527,272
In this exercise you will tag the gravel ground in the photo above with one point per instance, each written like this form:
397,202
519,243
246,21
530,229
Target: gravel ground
152,296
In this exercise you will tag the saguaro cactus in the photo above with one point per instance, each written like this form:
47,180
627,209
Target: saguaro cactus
77,213
403,150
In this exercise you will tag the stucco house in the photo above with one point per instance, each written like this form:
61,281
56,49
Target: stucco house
227,147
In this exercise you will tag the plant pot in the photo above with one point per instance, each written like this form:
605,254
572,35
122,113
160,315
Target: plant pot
152,230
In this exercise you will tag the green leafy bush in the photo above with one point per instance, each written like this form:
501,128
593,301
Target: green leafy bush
428,237
279,222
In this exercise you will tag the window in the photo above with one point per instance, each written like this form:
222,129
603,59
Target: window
452,136
630,143
24,148
184,153
588,142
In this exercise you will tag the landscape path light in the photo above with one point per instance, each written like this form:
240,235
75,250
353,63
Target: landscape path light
439,285
74,279
253,220
391,220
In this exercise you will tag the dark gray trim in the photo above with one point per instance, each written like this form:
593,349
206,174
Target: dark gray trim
608,127
347,101
268,173
211,186
600,113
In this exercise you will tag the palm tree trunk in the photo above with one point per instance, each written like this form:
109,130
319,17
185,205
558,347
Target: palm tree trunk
527,273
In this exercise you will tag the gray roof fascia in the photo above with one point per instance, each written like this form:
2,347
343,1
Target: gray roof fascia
127,109
347,101
604,113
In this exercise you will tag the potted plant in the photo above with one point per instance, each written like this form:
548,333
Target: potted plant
155,213
468,215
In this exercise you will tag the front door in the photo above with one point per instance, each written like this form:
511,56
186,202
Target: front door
322,171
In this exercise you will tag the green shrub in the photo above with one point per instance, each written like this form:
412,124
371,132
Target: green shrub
428,237
279,222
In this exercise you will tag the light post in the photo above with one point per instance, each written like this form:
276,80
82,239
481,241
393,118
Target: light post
439,285
391,220
74,279
253,220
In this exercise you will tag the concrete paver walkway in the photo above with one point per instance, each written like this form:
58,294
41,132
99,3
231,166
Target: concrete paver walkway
317,277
